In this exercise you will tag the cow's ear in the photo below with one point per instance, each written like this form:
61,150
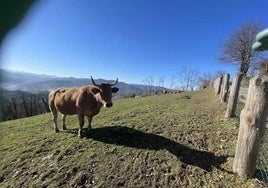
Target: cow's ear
95,90
114,89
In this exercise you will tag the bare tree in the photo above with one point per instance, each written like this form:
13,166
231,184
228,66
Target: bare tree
161,82
19,104
237,48
194,79
24,100
237,51
15,110
172,83
44,100
146,86
261,66
188,78
219,73
9,108
148,81
206,80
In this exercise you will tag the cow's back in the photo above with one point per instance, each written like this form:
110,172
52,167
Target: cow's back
65,100
69,100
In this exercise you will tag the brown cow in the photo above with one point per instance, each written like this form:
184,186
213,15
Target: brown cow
83,101
164,91
202,87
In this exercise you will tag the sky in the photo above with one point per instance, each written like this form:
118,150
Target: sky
127,39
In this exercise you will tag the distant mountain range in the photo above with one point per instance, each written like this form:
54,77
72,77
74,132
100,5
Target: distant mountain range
13,80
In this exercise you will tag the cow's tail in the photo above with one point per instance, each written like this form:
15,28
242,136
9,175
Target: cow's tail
53,109
51,98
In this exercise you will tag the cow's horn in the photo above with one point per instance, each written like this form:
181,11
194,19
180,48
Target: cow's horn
115,82
93,82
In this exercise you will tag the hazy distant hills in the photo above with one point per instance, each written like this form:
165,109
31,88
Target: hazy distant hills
23,81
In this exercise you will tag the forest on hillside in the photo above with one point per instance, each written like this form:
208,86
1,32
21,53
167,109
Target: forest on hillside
19,104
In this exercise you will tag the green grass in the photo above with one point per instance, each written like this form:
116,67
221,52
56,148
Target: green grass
160,141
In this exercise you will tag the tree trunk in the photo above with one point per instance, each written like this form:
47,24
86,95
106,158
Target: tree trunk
252,126
45,102
14,101
24,103
225,87
232,102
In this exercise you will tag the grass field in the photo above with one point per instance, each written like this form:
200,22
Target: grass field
160,141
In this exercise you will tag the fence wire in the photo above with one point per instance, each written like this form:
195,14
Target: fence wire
262,162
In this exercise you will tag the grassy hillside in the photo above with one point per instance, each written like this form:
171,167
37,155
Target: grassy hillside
159,141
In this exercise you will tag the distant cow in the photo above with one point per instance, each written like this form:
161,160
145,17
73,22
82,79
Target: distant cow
83,101
202,87
164,91
176,91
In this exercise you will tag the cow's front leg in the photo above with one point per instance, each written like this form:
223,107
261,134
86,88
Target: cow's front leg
89,118
81,124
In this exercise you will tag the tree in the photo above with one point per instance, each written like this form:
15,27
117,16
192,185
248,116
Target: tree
45,101
148,81
237,50
161,82
172,83
261,66
188,78
206,80
24,100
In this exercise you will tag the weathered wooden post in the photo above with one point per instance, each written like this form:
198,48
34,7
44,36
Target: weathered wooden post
252,126
225,87
221,87
217,85
233,97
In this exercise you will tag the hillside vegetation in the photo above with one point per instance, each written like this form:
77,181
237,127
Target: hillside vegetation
178,140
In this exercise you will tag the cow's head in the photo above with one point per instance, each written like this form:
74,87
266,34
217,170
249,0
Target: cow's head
104,92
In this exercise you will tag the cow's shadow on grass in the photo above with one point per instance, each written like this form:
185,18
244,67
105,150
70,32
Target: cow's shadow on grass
125,136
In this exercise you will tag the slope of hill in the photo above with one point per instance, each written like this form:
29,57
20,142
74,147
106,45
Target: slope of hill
160,141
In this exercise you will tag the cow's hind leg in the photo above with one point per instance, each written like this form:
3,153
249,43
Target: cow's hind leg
55,117
63,121
89,118
81,124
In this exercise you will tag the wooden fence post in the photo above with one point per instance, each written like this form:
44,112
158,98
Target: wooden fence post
225,87
217,85
233,97
252,126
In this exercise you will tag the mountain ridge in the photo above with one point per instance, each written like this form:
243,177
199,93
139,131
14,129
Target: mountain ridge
30,82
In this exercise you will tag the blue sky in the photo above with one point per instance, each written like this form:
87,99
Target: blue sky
128,39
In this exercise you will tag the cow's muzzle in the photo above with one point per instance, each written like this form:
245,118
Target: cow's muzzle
108,104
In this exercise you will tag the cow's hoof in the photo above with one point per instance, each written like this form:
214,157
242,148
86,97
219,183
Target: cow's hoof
64,128
56,130
80,136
